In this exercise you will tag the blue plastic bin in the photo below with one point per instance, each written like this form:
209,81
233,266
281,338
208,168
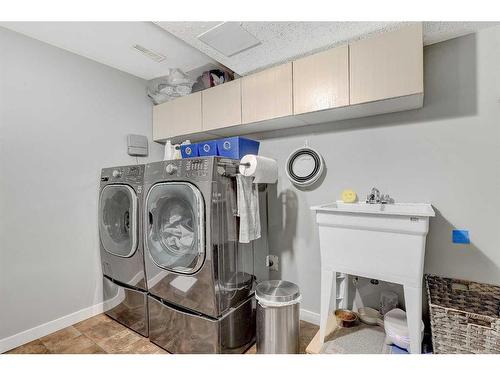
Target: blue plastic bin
208,148
237,147
189,151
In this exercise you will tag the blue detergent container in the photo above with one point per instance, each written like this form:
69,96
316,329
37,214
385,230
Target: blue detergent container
237,147
189,151
207,148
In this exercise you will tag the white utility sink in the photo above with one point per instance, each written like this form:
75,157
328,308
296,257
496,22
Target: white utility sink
377,241
407,209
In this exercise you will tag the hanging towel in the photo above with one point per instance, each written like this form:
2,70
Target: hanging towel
231,211
248,208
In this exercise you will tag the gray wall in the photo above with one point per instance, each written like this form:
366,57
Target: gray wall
447,153
62,118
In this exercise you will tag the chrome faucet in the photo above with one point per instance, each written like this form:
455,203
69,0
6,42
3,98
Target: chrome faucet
385,198
375,197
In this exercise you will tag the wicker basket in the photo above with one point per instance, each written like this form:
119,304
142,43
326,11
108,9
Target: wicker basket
464,316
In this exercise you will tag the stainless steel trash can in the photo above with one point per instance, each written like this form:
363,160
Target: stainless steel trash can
278,306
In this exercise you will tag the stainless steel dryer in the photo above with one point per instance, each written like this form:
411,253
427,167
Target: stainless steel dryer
121,243
200,278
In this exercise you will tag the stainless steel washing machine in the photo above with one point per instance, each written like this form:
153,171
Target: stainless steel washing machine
121,244
200,279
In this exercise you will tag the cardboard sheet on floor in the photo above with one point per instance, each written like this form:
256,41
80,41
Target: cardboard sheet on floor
360,339
314,347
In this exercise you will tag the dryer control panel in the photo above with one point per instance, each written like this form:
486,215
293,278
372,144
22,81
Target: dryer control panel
197,169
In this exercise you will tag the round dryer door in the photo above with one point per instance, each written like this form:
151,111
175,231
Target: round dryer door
118,220
175,233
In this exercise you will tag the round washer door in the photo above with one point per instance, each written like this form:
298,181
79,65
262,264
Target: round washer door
175,238
118,220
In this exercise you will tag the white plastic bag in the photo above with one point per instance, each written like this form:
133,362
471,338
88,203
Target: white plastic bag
388,301
169,87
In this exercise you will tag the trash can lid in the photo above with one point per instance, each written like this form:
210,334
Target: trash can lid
277,291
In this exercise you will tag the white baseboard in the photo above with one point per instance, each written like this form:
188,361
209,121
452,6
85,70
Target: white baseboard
44,329
34,333
309,316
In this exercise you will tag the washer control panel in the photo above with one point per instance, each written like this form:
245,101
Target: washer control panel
134,171
171,168
130,174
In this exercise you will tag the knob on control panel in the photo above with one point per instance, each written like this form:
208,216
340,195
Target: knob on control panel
117,173
171,168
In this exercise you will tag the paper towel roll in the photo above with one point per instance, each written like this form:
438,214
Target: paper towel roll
263,170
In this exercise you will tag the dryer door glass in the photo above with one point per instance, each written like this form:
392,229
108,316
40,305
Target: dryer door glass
175,233
118,220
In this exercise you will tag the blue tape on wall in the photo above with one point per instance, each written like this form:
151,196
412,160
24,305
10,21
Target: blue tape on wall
460,236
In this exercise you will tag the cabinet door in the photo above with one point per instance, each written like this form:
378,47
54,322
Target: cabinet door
267,94
222,105
177,117
321,81
387,66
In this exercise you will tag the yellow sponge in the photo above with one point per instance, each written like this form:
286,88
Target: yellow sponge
349,196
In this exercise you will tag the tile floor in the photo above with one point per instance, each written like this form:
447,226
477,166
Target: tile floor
102,335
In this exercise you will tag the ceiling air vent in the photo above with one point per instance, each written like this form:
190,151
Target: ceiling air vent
229,38
155,56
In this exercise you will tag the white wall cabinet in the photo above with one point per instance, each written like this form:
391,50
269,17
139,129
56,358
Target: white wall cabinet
221,106
177,117
321,81
381,74
386,66
267,94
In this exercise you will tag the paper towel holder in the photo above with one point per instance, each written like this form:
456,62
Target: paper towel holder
232,164
304,166
221,168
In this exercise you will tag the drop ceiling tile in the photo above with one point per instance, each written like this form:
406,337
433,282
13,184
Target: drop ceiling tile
229,38
285,41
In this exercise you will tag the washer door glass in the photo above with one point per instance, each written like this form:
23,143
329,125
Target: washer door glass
175,233
118,220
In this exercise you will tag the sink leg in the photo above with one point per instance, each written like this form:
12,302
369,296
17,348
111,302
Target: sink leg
413,301
327,280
